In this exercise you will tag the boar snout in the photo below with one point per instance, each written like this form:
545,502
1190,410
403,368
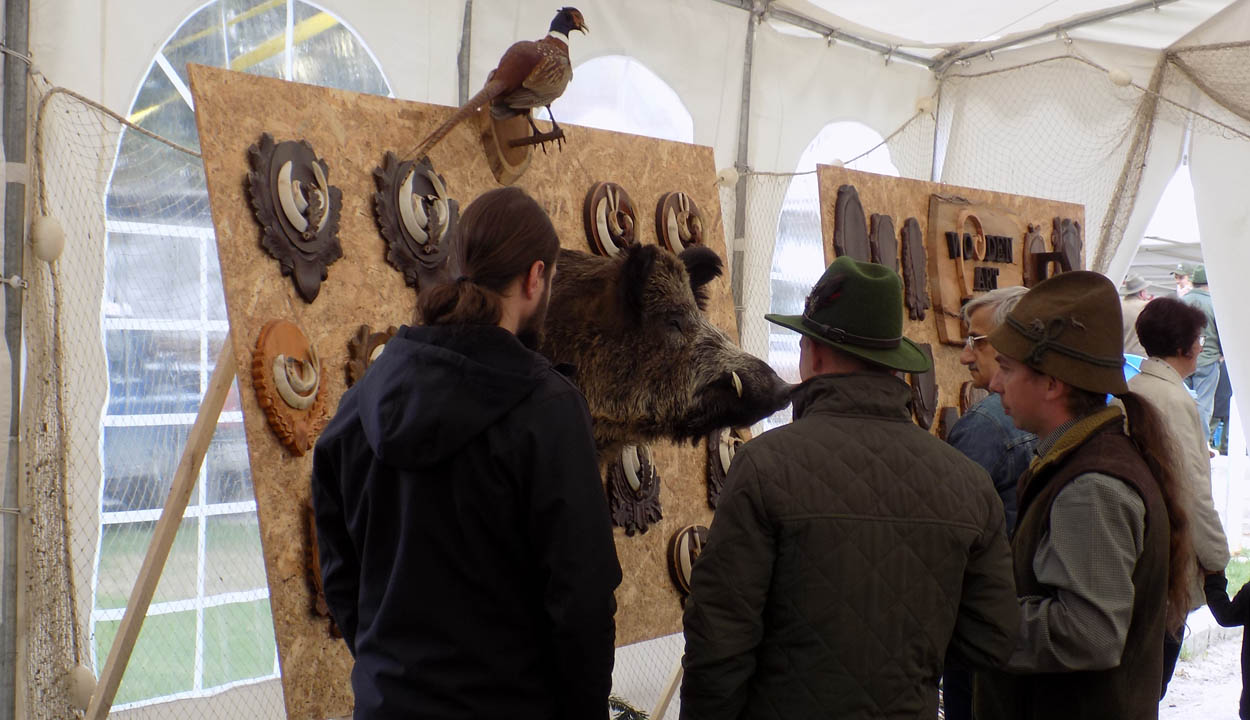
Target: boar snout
736,397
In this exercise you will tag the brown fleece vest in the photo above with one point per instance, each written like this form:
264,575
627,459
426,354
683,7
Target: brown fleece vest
1130,690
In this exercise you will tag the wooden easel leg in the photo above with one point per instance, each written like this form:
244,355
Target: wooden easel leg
163,538
670,688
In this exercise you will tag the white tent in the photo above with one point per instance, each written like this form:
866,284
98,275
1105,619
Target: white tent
1089,101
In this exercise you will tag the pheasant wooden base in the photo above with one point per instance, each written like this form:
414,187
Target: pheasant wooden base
507,162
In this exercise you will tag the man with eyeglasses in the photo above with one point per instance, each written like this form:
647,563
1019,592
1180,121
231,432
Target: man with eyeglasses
988,437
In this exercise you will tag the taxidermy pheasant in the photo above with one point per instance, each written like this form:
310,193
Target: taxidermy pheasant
531,74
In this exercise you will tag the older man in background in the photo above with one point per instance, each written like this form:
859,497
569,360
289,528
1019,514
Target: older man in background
1133,297
988,437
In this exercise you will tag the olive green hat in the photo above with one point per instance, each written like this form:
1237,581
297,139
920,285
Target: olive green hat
857,307
1069,327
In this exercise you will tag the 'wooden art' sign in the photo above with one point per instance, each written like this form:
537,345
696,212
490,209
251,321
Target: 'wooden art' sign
949,244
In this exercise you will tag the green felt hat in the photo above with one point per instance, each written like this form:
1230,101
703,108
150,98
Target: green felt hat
857,307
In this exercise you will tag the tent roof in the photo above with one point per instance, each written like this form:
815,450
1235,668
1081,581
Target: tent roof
928,28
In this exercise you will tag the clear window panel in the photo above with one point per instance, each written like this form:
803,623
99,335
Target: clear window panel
139,464
256,36
163,661
154,183
233,559
327,53
216,296
122,548
229,476
238,642
152,372
152,276
161,109
199,40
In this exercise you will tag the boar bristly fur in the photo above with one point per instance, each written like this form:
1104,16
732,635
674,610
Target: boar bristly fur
648,360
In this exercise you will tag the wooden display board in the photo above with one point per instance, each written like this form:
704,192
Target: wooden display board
952,278
352,133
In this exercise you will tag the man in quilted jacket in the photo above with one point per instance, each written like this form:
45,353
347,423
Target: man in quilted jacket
850,548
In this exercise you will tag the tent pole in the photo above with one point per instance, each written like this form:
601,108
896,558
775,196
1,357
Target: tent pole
462,58
934,174
740,164
16,38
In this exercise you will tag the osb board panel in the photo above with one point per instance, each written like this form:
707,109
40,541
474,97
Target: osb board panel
352,132
902,198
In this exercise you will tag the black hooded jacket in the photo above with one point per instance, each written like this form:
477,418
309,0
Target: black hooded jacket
466,549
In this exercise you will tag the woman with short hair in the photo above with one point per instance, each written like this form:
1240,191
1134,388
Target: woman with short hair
1171,333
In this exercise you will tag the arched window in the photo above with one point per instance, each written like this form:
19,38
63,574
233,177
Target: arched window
798,256
164,320
619,93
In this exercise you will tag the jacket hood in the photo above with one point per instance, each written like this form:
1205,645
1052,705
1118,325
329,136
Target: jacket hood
433,389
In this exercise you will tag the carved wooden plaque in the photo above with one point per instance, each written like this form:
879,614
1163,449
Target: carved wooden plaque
683,549
289,381
1066,239
946,420
721,448
850,228
970,395
924,391
609,218
298,210
320,608
365,347
678,222
915,277
416,216
634,490
882,241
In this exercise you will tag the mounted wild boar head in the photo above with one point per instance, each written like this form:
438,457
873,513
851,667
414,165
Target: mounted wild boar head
648,360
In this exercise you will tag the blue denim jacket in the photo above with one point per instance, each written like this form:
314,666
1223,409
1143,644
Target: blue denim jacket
988,437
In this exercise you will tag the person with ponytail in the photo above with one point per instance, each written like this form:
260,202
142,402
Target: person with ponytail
1102,553
465,545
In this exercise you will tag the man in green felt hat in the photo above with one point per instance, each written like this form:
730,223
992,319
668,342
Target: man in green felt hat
850,547
1100,546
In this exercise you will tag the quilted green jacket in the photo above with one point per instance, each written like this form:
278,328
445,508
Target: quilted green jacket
849,550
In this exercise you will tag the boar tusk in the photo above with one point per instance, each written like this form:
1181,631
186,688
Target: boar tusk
297,191
726,451
408,211
737,381
324,187
377,352
632,466
286,198
674,230
601,222
287,383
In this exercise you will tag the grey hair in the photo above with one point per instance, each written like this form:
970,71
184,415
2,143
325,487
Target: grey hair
1001,300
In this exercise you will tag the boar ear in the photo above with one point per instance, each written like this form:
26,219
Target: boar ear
703,265
636,269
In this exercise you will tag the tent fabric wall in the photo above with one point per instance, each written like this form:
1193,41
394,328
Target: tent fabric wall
1218,168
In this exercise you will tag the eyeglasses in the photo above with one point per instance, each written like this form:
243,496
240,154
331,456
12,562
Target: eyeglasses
972,340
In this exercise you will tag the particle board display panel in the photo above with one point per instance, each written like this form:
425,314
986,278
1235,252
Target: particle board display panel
352,133
940,208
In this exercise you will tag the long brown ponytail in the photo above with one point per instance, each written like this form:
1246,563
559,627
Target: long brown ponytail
1150,436
500,236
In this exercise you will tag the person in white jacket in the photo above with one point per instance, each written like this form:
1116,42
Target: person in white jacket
1171,333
